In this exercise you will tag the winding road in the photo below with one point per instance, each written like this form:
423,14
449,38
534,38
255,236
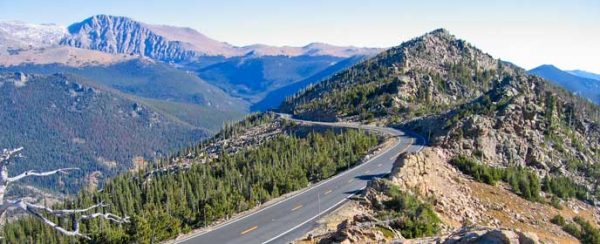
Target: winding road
292,217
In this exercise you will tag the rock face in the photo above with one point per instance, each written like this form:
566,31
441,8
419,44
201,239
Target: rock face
427,174
123,35
524,121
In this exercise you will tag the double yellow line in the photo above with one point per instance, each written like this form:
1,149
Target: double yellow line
249,230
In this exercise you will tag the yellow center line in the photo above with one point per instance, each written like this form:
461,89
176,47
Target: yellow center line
248,230
327,192
297,207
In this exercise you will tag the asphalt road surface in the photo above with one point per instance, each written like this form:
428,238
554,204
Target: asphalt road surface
289,219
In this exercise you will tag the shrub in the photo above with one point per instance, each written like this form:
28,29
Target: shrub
564,188
558,220
412,217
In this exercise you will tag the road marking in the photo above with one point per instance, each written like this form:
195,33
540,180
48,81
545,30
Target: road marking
249,229
350,180
301,192
327,192
314,217
379,165
306,190
297,207
367,171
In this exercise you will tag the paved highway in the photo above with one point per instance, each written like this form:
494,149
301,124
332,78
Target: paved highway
290,218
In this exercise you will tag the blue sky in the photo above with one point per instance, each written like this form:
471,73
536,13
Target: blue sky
528,33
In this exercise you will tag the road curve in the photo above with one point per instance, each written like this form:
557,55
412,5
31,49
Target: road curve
290,218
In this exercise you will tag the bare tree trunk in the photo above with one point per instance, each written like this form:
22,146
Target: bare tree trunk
41,211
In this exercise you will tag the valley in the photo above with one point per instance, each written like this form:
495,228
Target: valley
189,79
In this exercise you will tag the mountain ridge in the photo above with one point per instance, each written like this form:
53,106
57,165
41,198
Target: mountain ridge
501,141
585,87
437,54
243,72
584,74
115,34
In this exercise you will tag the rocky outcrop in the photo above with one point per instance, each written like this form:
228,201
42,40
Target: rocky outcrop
428,174
525,122
489,235
351,232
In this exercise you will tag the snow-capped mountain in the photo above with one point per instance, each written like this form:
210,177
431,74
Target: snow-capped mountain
19,35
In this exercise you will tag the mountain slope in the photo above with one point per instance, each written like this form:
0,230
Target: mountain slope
123,35
275,97
588,88
178,92
250,77
415,78
495,133
63,121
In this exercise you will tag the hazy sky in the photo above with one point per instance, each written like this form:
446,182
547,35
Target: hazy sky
529,33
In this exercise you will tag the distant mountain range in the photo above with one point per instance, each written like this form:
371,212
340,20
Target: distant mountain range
582,83
115,34
584,74
247,72
187,84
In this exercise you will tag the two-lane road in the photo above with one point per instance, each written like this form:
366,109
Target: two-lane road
290,218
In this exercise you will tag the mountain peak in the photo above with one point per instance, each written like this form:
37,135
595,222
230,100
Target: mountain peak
437,49
100,19
115,34
546,67
439,32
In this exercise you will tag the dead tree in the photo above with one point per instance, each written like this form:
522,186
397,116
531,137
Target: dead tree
40,212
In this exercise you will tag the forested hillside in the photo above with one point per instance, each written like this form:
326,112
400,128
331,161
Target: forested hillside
194,189
175,92
62,121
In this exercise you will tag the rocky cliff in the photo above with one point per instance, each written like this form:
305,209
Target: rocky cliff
123,35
